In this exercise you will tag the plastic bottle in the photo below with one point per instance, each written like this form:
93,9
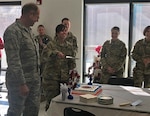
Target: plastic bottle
63,89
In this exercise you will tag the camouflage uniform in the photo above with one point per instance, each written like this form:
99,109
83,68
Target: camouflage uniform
113,55
56,69
73,40
23,68
141,72
45,39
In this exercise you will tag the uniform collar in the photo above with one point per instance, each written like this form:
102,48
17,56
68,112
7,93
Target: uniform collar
22,26
112,41
70,34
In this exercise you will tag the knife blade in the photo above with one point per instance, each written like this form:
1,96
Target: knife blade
70,57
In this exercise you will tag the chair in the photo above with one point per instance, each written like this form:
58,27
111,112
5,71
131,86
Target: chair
70,111
121,81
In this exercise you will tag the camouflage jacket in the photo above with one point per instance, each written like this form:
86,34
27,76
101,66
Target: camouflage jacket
73,40
54,64
22,53
113,54
45,39
141,50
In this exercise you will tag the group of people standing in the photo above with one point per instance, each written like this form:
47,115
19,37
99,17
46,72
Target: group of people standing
35,60
55,66
31,59
113,58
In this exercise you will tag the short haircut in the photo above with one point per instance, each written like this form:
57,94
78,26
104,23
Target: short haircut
41,26
29,7
65,19
116,28
146,29
60,28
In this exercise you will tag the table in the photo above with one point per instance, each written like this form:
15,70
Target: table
120,95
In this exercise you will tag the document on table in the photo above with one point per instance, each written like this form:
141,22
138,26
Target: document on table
135,91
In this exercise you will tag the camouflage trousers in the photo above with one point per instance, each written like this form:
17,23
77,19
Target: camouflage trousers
51,90
23,105
51,86
97,73
140,77
105,76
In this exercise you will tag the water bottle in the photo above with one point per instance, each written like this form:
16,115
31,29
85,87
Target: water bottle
63,89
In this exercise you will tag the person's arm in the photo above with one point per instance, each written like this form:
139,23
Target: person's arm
75,45
122,58
103,61
70,52
50,51
135,53
12,48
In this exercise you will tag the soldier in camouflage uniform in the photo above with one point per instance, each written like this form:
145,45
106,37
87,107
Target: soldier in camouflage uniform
70,37
141,54
22,76
57,66
42,38
113,56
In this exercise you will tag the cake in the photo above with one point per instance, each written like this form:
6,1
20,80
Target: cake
87,89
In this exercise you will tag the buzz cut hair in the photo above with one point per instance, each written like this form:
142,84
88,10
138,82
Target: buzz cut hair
29,7
116,28
41,26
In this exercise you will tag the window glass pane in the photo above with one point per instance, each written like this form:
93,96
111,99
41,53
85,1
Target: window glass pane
141,19
8,15
100,18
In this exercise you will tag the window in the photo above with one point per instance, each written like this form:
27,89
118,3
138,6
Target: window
101,16
141,19
9,12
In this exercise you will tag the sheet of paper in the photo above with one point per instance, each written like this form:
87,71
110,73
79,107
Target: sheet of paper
135,90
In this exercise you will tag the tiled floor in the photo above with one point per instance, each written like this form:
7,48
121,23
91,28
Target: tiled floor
3,100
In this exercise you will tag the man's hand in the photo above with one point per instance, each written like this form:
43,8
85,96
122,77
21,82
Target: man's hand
146,61
60,55
24,90
111,70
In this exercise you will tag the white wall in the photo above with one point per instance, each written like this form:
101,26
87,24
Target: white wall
51,13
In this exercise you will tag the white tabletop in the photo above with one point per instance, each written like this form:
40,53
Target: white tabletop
120,94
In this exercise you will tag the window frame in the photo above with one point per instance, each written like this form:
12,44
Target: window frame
131,4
